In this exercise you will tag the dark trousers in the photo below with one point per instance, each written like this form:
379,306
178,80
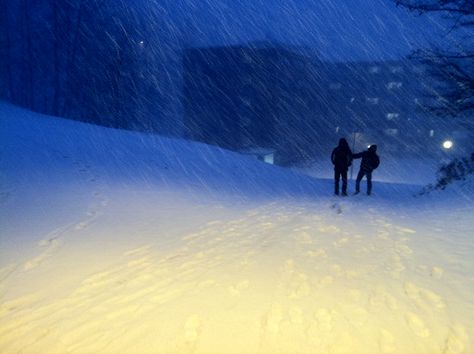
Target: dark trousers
361,175
338,174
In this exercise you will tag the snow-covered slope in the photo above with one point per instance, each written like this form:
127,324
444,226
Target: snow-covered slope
119,242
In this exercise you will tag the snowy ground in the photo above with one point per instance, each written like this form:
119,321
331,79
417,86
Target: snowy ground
118,242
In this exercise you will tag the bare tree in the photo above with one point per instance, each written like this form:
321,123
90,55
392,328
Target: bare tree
451,67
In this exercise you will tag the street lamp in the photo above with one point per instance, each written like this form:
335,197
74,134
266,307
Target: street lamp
447,144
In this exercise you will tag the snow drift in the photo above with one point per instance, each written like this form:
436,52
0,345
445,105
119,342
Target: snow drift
120,242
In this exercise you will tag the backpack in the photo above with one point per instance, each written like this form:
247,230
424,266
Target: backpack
375,162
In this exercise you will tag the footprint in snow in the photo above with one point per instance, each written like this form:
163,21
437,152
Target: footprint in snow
337,208
417,325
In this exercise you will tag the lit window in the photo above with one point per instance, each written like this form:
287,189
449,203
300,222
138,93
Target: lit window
394,85
374,69
431,133
392,116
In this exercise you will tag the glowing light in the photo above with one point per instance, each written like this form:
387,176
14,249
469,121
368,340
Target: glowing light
448,144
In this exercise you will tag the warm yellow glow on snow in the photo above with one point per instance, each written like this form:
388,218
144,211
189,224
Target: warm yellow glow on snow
271,282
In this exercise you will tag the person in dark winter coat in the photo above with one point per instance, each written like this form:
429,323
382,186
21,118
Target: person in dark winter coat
341,158
370,161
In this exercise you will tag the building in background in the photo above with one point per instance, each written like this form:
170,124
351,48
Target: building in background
244,97
265,95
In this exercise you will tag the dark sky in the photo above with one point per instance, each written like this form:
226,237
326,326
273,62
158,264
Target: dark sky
338,29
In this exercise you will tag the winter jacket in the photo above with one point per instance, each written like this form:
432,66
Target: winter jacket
370,160
341,156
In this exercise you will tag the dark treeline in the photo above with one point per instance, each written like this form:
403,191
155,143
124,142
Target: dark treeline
113,63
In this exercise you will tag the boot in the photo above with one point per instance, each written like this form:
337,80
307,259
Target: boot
357,187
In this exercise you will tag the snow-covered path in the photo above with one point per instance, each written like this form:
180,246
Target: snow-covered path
119,253
282,277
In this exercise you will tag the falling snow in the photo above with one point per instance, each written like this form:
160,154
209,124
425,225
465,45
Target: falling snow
166,183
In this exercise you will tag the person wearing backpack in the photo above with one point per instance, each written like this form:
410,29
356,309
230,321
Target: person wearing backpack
370,161
341,158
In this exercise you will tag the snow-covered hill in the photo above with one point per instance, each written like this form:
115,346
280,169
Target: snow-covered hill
120,242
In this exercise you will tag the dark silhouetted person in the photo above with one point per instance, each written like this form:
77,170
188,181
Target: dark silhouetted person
341,158
370,161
